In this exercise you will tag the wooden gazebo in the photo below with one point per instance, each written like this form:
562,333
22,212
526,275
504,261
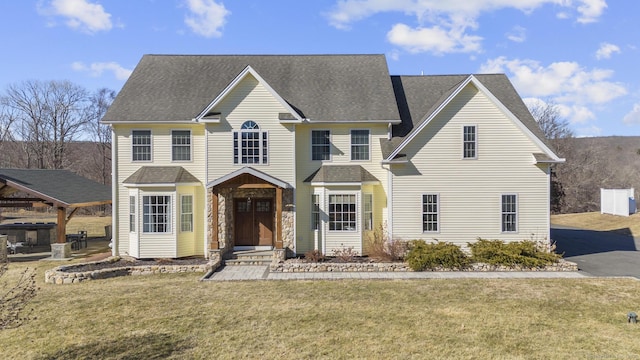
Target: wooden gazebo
60,189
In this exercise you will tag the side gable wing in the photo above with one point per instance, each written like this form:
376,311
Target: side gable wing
525,124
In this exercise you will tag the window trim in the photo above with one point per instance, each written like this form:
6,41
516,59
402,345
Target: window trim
367,222
329,145
150,146
356,216
190,146
351,152
423,213
516,213
474,142
237,144
183,213
170,207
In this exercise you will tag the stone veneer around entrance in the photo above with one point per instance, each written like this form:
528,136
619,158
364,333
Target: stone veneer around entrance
226,220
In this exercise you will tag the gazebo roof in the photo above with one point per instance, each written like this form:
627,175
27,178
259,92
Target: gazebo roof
60,188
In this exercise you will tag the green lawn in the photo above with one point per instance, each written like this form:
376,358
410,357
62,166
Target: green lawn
177,317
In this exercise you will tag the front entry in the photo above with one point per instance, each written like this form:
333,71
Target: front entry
253,221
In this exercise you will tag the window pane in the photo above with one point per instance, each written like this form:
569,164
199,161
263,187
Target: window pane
181,145
469,142
141,145
430,212
359,144
320,145
342,212
509,213
156,214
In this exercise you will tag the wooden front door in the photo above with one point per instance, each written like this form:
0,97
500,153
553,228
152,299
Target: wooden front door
253,222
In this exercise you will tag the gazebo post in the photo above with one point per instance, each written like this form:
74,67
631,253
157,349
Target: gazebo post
61,249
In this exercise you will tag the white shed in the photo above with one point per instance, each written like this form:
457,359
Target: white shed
617,201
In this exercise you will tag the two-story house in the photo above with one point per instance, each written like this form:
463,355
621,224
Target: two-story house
300,152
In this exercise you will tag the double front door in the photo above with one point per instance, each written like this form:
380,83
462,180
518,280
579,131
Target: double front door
253,221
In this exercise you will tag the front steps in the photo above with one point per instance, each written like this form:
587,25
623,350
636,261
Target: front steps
249,257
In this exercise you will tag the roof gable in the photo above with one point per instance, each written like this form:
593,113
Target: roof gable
248,71
509,103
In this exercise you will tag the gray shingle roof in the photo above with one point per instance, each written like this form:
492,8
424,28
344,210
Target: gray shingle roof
319,87
341,174
419,96
161,175
61,187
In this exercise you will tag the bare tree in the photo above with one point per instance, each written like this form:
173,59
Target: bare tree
48,115
100,134
557,130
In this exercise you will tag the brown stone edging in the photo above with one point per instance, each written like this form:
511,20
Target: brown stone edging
61,275
299,266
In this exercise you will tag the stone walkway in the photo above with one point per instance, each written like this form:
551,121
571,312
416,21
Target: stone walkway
231,273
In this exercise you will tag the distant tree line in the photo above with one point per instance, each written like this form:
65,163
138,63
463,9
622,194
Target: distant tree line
591,163
55,125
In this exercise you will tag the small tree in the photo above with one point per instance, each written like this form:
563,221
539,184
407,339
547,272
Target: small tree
15,295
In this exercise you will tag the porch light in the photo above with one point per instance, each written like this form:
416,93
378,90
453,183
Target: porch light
249,202
632,317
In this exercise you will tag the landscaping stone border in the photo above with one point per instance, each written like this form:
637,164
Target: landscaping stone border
297,266
61,274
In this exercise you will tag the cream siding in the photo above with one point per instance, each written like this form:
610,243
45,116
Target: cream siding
340,155
163,245
250,100
470,189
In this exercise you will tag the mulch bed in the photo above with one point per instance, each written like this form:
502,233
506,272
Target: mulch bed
134,262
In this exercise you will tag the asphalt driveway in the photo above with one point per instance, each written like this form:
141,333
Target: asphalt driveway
599,253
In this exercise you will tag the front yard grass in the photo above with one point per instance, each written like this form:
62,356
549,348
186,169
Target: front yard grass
178,317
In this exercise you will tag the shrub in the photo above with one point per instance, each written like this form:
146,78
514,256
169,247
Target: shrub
313,256
380,247
524,253
424,256
345,254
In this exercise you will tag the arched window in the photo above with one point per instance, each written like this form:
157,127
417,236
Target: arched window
250,145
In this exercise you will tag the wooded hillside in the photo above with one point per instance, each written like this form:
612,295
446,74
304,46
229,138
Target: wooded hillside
596,162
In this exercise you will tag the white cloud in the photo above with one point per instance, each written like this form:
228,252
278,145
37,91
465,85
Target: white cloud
590,10
81,15
206,17
517,34
633,116
575,89
96,69
450,21
435,39
588,131
606,50
564,81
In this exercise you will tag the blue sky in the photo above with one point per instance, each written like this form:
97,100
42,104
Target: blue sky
582,55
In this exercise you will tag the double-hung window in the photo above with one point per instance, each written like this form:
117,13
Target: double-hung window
132,214
430,211
509,204
342,212
186,213
141,145
156,214
315,212
250,144
367,205
469,142
320,145
181,145
360,145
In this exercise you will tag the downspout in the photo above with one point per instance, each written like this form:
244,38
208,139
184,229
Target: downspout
295,194
207,203
115,231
